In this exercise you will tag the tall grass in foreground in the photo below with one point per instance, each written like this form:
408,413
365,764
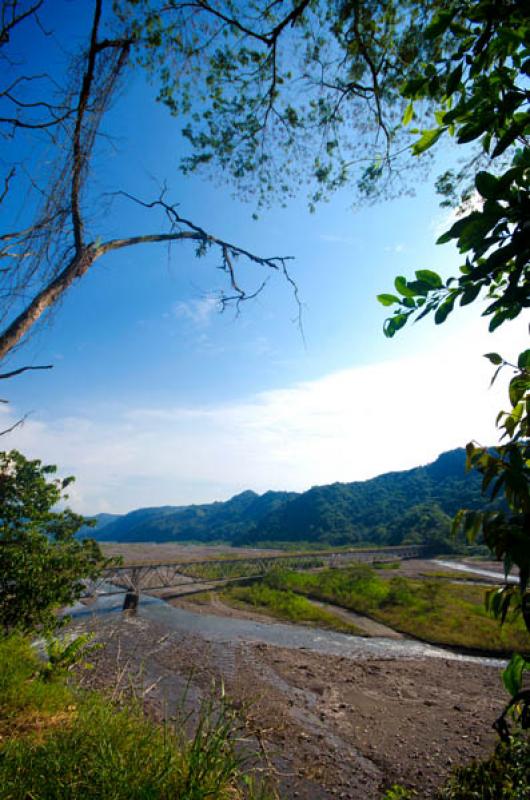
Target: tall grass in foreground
436,610
58,743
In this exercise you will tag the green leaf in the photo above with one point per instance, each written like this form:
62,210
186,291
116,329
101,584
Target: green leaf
523,362
495,374
403,288
512,676
399,321
387,299
495,358
430,277
497,319
420,287
457,521
428,138
517,389
470,293
488,185
508,138
472,525
440,23
444,310
460,226
409,113
454,80
470,132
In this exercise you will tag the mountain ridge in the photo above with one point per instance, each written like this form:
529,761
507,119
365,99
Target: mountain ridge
414,505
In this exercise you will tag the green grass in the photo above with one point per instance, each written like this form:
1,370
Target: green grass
430,609
26,697
286,605
58,743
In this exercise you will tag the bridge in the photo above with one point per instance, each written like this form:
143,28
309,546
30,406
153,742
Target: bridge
189,577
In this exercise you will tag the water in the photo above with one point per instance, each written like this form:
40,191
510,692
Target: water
232,630
476,571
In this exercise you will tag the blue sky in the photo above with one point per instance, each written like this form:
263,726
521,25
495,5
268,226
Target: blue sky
157,398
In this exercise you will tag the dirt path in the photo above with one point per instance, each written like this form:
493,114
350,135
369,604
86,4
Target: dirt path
369,626
332,727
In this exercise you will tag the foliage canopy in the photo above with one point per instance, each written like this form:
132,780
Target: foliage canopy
42,565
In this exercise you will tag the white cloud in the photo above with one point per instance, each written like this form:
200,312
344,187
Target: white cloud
198,311
347,425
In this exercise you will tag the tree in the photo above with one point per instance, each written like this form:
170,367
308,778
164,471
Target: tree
42,565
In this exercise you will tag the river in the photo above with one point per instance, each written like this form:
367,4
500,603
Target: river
232,630
472,570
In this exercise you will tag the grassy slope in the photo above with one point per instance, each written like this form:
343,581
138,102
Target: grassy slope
58,742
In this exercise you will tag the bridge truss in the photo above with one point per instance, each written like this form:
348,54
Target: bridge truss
135,578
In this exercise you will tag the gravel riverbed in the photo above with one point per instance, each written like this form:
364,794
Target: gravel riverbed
329,726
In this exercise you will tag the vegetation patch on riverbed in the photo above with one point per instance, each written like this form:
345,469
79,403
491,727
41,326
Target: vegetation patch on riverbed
286,605
431,609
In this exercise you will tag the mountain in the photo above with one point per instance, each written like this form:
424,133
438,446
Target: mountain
410,506
414,505
219,521
101,520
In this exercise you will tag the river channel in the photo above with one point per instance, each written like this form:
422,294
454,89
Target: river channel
231,630
473,570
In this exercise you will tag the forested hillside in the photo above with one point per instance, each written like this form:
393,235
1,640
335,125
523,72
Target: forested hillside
399,507
220,521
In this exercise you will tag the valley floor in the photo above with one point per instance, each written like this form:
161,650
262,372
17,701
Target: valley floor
329,726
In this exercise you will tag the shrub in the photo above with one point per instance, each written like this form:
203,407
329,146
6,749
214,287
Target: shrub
503,776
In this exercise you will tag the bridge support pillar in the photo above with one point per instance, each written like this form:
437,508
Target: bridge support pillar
131,601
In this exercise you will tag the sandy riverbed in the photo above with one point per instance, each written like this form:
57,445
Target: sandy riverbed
331,726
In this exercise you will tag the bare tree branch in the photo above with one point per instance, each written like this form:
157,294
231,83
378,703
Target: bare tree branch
269,38
87,255
20,370
7,180
19,422
7,26
78,155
